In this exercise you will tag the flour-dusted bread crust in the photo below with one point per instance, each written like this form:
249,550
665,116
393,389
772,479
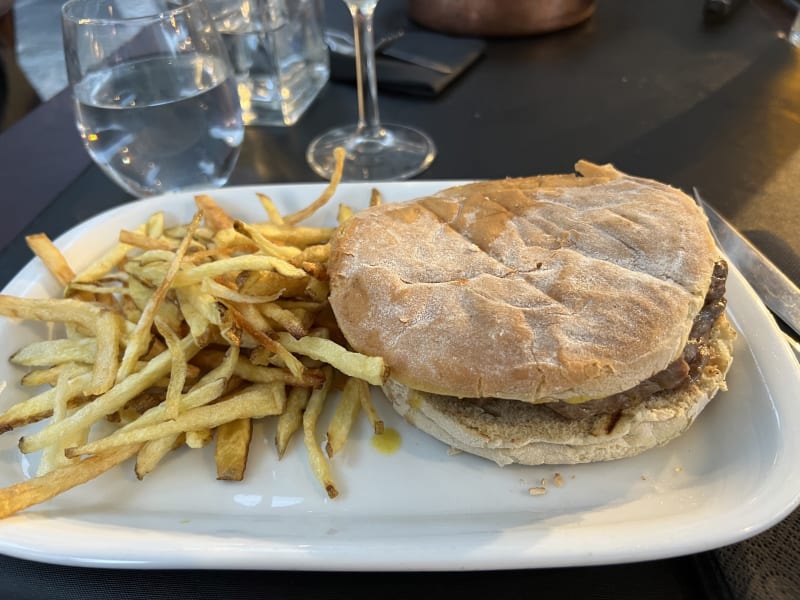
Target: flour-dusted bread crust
507,431
540,288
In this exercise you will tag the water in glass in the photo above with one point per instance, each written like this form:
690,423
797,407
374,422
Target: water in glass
154,92
155,124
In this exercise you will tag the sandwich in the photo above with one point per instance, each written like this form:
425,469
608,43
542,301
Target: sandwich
557,319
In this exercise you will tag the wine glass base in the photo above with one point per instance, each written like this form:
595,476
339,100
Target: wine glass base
397,152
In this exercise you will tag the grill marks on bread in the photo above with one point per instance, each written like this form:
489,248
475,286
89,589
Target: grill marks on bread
521,230
530,289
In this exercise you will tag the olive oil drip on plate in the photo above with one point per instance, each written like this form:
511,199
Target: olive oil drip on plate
387,442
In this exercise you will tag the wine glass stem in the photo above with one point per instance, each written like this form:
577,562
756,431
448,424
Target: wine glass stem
366,79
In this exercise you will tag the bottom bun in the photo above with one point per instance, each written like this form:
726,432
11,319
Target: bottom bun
508,431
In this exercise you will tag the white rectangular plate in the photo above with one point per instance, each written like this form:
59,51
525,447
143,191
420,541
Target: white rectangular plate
732,475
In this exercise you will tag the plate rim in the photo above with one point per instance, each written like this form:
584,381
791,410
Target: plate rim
22,535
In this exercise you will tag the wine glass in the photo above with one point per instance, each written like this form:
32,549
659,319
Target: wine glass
154,92
374,150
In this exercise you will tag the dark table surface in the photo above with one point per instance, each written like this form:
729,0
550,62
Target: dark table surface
644,85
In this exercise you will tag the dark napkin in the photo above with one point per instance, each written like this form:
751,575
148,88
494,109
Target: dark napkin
395,68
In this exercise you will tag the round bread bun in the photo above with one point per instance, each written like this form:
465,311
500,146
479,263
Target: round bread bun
507,431
558,287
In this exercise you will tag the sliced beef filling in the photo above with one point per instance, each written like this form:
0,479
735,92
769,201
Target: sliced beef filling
687,367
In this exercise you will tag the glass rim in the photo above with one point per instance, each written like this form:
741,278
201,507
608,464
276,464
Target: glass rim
68,15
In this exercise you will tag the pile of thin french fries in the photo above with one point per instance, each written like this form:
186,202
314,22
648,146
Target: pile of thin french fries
181,336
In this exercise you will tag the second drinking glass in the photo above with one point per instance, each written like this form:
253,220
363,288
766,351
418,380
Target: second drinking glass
278,52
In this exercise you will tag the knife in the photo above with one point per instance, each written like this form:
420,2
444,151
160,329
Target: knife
774,288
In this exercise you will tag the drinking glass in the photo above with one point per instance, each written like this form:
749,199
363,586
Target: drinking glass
154,93
374,150
278,52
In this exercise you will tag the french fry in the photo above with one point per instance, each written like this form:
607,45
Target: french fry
162,256
142,294
154,227
39,489
150,273
311,306
180,335
285,319
53,456
40,407
339,155
249,262
259,374
139,292
91,289
202,302
214,214
178,369
227,240
41,245
55,352
375,197
264,244
291,419
292,363
200,395
199,438
111,401
267,283
343,417
178,232
304,316
145,401
369,408
249,318
91,316
49,376
57,310
241,406
146,242
152,453
273,214
221,292
369,368
209,389
107,354
137,343
232,447
344,213
299,237
316,289
220,365
318,253
319,464
316,270
199,325
108,261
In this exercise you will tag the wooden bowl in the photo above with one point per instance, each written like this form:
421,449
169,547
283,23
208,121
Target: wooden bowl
499,18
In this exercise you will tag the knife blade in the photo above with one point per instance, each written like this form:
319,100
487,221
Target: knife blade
774,288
